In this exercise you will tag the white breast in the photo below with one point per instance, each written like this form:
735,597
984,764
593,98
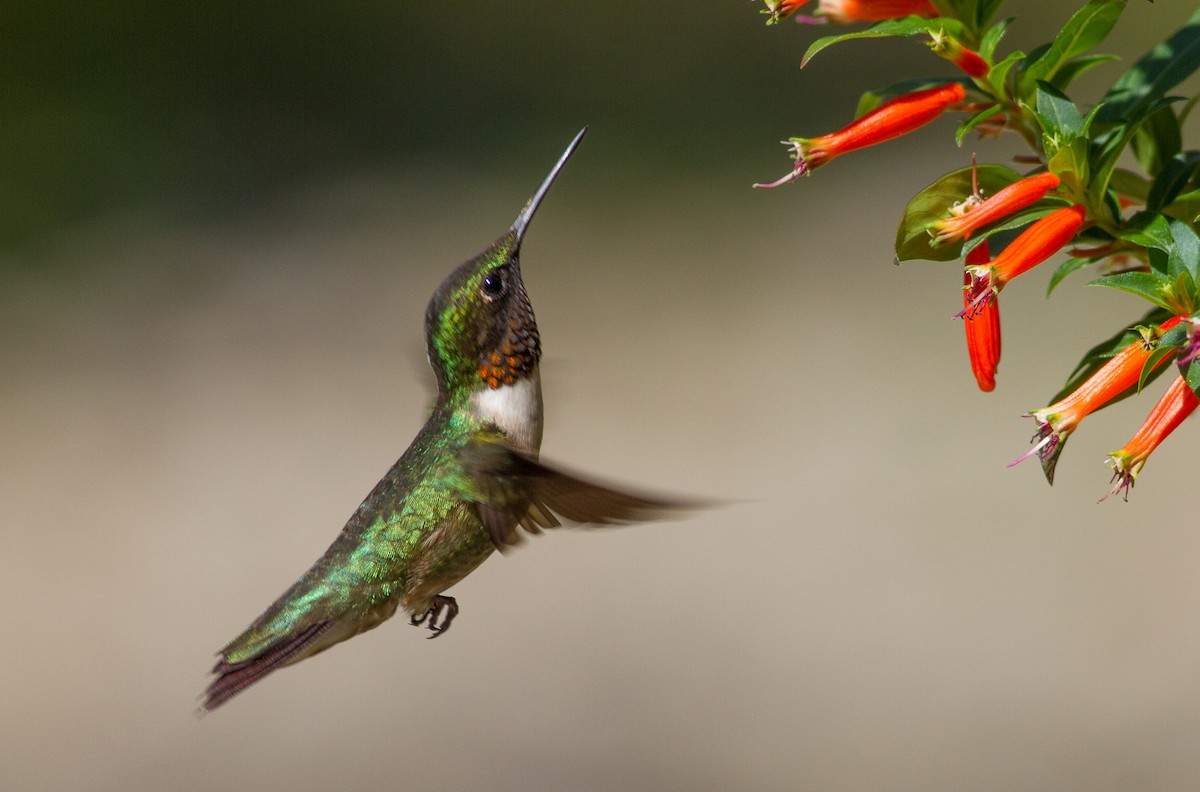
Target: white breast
515,409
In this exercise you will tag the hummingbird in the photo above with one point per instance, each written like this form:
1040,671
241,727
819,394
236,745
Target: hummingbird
469,483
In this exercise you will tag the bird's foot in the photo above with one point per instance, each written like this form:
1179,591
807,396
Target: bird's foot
440,602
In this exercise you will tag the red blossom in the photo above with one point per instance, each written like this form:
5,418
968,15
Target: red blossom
1176,404
781,9
952,50
1035,244
890,120
844,12
983,330
1119,374
1004,203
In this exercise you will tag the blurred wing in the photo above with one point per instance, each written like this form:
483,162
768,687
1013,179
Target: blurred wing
513,489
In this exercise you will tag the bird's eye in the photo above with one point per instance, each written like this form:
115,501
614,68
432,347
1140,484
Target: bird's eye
493,284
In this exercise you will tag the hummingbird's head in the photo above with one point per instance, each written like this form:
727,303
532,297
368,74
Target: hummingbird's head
479,327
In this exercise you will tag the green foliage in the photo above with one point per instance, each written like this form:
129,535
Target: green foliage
1157,140
1173,176
1066,75
1155,73
1191,374
1150,286
1058,115
1087,28
975,14
997,77
908,26
1072,264
1151,368
991,39
1185,207
1108,147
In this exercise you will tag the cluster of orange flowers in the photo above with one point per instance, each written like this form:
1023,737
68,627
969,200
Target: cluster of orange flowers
983,276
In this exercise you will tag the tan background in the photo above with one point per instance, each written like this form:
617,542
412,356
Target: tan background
191,405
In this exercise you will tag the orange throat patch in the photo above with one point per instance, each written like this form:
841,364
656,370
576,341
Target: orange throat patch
515,357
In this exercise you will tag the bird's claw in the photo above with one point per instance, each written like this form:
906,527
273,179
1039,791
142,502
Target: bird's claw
440,602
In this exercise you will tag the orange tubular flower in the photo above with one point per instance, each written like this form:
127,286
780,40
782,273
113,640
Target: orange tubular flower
844,12
781,9
890,120
1035,244
983,331
1176,404
1008,201
968,60
1056,422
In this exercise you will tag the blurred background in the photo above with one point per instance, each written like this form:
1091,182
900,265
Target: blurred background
219,226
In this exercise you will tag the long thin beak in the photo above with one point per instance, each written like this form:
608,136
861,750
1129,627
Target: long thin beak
522,222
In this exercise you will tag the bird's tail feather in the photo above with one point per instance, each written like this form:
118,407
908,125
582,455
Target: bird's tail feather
233,678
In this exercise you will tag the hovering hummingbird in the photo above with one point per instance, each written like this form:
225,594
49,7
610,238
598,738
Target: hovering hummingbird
467,484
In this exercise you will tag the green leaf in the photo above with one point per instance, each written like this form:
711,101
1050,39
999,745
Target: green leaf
1185,207
1192,376
1129,183
985,10
1066,268
1175,337
1109,147
1058,115
998,74
1149,230
1183,257
934,203
1157,140
1184,296
1158,71
1174,250
976,13
1186,110
908,26
1147,285
959,9
983,115
1050,461
1151,364
1075,67
1069,163
1084,30
1174,177
1023,82
987,45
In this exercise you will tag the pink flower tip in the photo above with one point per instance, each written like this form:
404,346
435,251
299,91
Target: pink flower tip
799,169
1045,441
979,291
1122,482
